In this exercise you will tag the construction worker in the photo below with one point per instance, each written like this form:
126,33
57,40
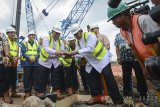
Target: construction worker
94,29
30,52
99,60
127,61
68,71
13,55
101,37
132,28
72,44
51,64
4,62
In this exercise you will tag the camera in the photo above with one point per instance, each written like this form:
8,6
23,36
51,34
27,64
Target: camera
151,37
155,13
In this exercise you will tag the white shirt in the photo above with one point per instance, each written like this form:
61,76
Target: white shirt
87,52
52,58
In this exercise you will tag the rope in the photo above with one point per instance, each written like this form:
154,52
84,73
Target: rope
49,4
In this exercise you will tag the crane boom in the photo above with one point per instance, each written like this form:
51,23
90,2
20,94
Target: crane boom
76,15
29,16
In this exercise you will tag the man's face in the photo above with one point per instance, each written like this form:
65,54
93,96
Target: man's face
55,35
72,42
32,37
78,35
118,21
95,30
11,35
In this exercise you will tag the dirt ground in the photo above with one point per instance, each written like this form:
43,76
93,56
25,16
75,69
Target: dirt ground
116,69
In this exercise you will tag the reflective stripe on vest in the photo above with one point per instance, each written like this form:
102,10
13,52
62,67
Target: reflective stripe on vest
99,50
44,55
31,51
67,61
13,48
144,51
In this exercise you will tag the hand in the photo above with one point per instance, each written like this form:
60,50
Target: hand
15,61
74,52
59,53
6,61
68,56
32,60
66,53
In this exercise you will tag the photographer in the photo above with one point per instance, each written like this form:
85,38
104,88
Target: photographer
132,28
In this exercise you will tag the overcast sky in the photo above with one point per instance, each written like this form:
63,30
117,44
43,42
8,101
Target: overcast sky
97,14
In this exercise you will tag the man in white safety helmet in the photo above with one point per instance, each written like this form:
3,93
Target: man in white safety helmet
51,63
13,55
30,52
101,37
4,61
99,59
73,67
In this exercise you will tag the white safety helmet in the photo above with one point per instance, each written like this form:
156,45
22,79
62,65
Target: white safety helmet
71,37
75,28
31,33
57,29
93,26
41,37
10,29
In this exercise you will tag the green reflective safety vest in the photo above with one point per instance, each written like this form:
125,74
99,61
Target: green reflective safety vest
44,55
13,48
99,51
31,51
68,61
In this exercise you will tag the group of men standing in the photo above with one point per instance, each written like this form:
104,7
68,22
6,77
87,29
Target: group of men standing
53,63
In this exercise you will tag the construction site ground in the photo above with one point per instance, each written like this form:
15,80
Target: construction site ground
77,100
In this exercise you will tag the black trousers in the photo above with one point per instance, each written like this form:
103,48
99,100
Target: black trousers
127,78
95,83
84,76
30,78
111,84
57,78
68,77
74,75
11,74
43,78
3,80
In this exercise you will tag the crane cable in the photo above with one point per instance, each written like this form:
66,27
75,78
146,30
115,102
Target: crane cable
46,26
53,6
41,16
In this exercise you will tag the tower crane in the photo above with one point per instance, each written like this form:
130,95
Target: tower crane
76,15
29,16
